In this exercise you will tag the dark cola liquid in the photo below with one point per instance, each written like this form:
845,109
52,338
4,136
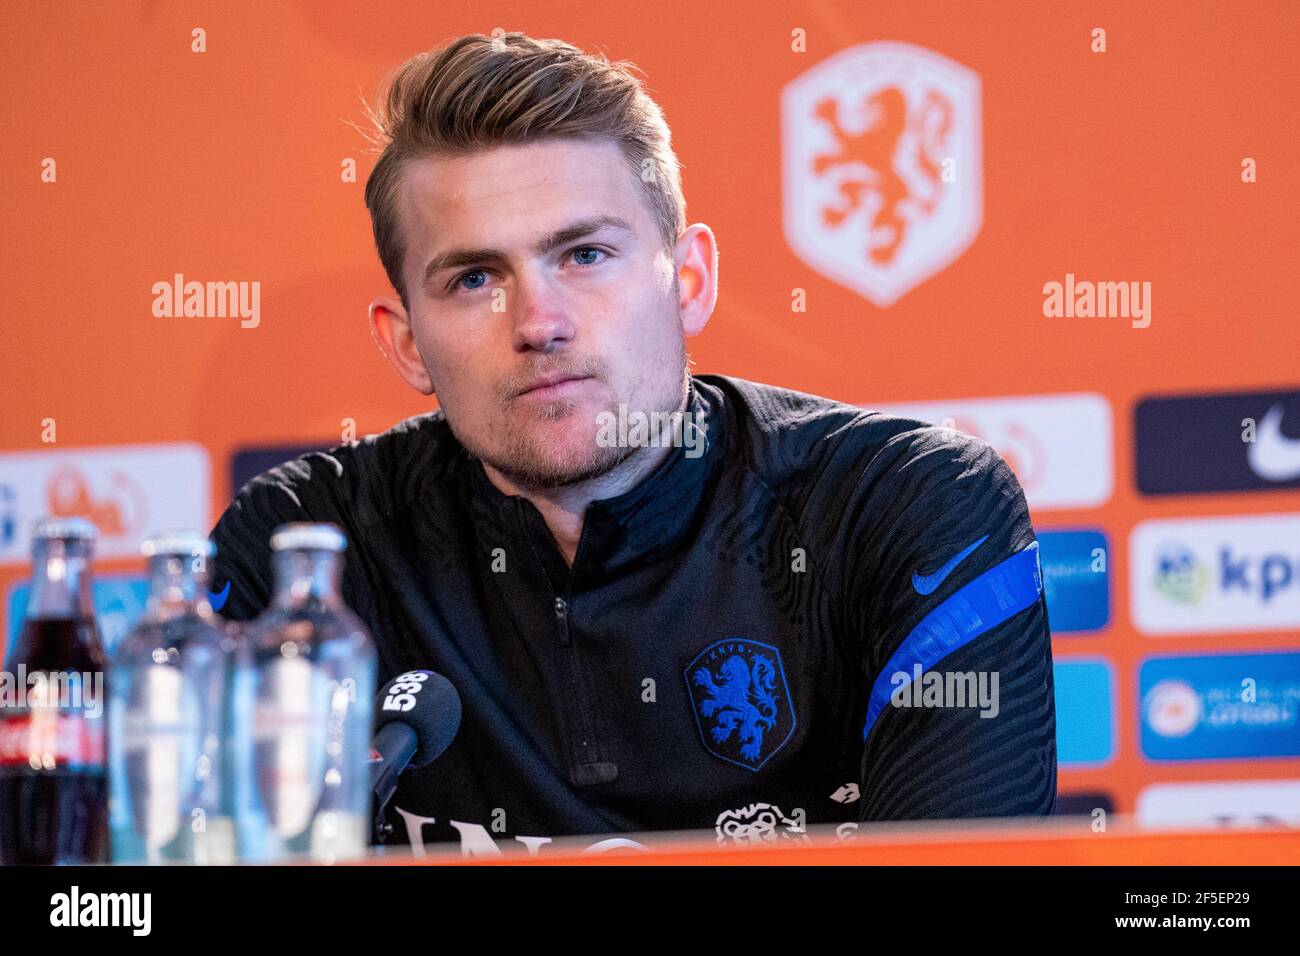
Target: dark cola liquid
59,813
53,816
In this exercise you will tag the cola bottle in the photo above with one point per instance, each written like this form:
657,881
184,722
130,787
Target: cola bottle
53,779
307,694
168,678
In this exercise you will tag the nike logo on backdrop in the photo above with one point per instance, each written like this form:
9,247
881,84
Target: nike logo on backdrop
1272,456
927,583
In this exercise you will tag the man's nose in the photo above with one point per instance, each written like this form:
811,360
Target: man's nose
541,315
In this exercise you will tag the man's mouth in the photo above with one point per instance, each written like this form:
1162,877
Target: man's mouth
549,387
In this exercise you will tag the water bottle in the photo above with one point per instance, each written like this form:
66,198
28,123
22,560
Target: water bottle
166,715
307,697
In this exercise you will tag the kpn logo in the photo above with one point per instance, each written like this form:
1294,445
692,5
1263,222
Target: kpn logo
1180,576
1216,574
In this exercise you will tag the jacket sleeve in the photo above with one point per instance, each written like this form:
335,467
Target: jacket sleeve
948,598
242,536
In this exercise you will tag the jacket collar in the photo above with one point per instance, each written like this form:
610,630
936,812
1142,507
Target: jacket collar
649,519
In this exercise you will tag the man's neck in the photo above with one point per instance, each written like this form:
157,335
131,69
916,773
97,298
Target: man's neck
563,508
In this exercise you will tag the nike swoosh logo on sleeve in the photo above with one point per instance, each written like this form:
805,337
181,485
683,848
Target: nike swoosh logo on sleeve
925,584
994,597
218,601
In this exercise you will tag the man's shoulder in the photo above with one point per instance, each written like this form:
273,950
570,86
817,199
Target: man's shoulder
788,436
377,474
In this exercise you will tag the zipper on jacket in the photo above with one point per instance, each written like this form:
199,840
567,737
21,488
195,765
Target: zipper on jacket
562,619
585,765
588,767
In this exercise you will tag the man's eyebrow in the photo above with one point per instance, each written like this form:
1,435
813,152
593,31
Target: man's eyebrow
460,258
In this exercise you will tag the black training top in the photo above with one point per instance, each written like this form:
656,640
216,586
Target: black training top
737,645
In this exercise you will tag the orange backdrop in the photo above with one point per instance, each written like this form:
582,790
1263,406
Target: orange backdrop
226,164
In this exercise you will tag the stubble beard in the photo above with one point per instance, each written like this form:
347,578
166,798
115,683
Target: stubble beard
529,460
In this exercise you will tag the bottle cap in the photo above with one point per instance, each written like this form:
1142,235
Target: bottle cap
190,544
308,537
65,529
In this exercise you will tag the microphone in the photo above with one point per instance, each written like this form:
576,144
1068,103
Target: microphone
417,715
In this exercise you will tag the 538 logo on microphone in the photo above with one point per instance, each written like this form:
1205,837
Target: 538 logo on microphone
402,691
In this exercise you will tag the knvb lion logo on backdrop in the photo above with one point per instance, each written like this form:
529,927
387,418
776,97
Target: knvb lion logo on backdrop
882,166
742,701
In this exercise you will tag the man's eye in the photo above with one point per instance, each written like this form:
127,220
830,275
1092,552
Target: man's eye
583,256
461,280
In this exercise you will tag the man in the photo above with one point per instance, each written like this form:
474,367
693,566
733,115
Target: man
667,601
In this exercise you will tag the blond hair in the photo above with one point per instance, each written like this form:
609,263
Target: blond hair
481,91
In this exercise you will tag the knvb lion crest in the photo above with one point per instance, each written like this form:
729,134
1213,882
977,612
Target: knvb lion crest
742,702
883,170
758,823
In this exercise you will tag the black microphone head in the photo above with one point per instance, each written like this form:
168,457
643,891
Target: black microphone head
427,703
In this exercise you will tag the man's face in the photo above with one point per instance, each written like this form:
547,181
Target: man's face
551,298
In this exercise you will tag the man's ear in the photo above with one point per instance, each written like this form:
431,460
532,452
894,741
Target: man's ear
696,260
391,328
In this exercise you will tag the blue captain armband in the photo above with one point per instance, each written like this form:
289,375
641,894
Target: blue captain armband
997,595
